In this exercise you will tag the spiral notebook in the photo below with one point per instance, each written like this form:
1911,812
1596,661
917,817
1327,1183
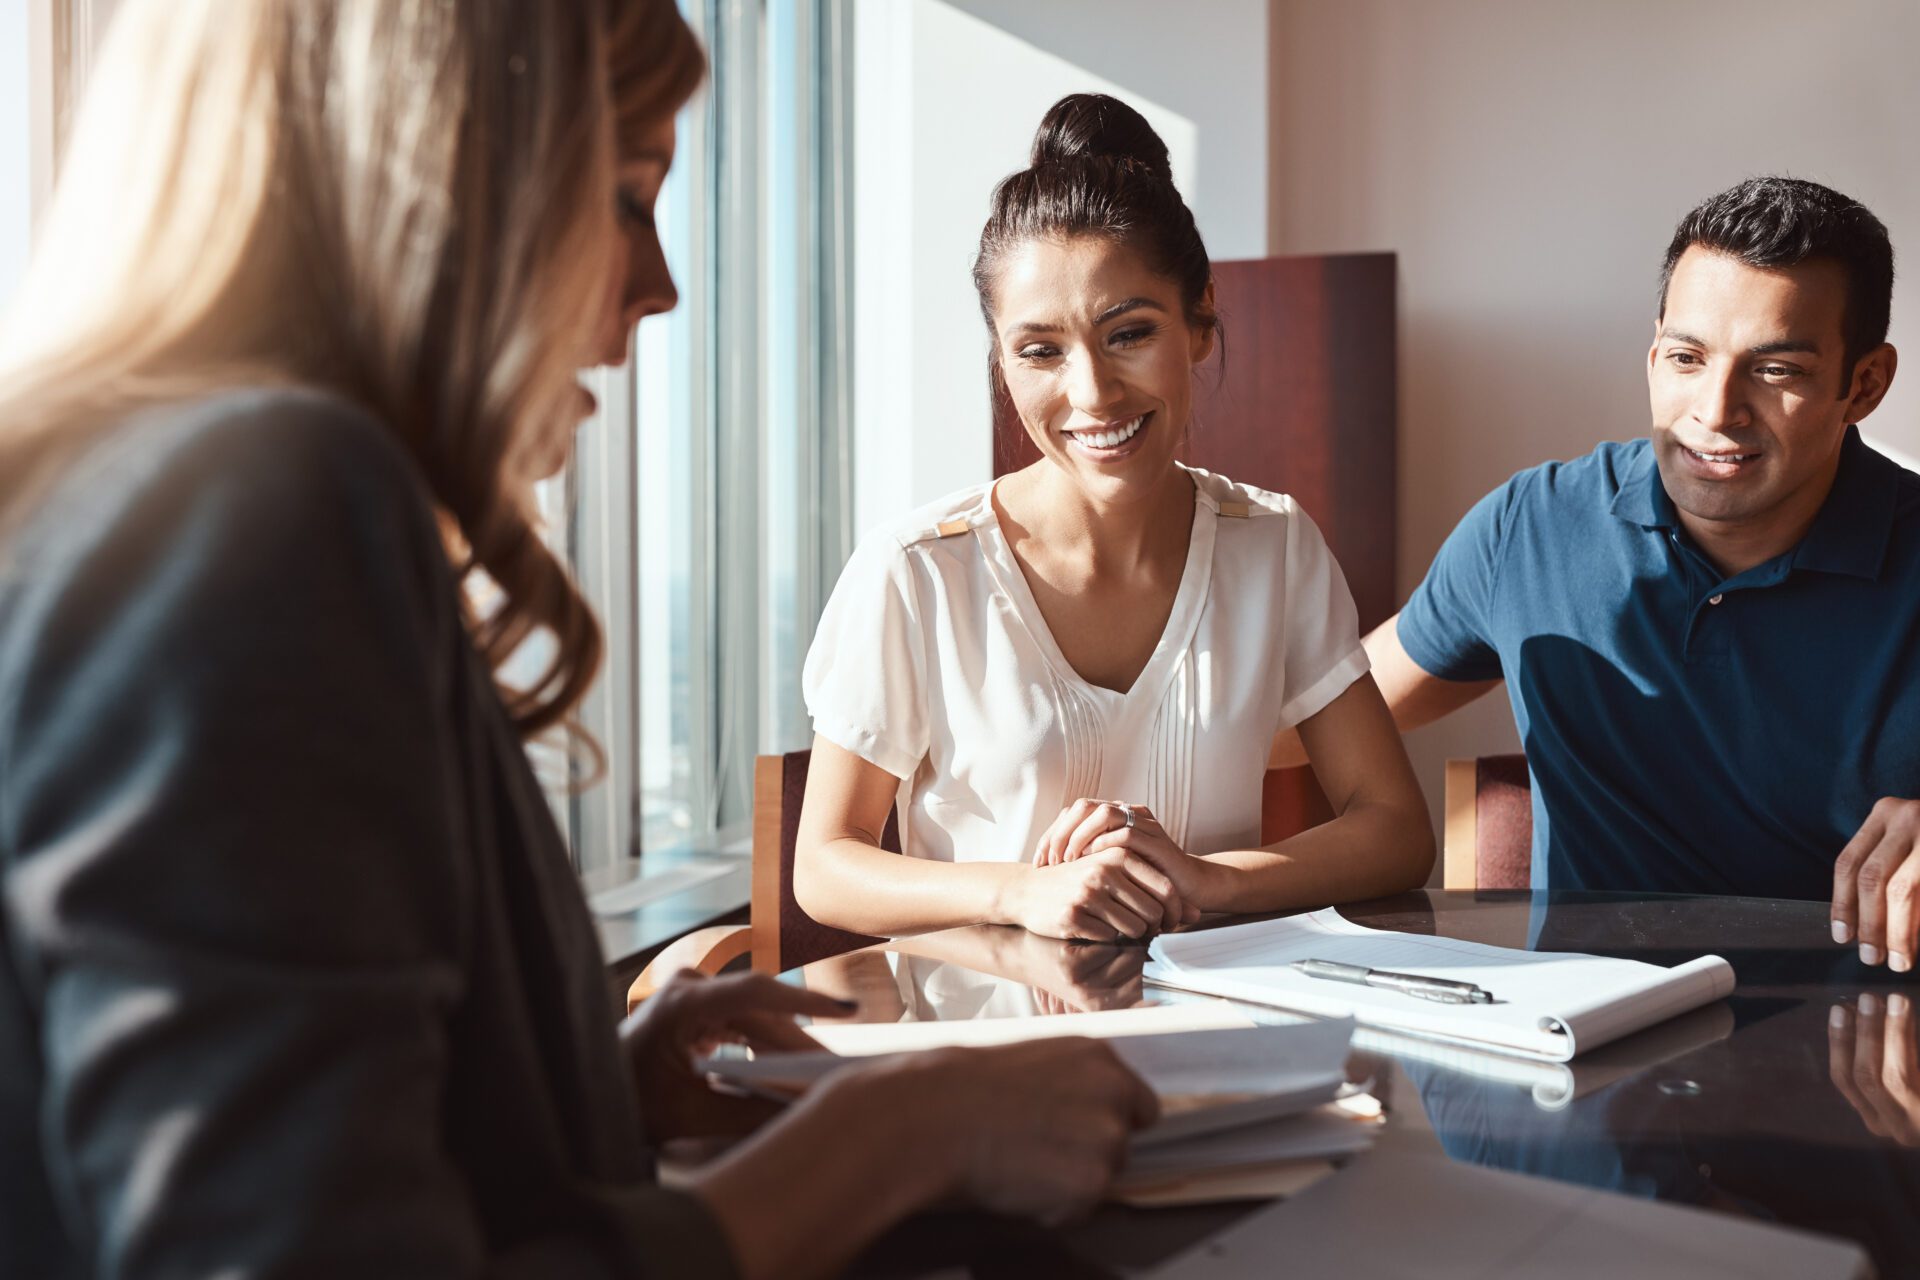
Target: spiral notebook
1546,1005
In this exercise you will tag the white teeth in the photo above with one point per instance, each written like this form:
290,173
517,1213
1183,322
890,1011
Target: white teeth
1109,439
1722,457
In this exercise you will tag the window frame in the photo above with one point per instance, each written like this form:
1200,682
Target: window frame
765,542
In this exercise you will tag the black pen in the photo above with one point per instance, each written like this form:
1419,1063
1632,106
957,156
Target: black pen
1443,990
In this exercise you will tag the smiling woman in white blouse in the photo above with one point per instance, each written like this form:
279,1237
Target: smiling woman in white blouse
1070,680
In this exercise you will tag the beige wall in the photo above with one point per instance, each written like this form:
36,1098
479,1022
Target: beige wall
1527,159
947,94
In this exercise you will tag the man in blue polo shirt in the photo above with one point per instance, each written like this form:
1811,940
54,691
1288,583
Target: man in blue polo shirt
1711,638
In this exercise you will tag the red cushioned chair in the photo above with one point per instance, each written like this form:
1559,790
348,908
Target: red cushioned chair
778,935
1489,824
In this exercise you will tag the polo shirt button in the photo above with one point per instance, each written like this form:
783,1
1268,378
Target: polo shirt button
1715,599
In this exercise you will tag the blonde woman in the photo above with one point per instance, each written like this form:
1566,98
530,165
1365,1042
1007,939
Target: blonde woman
296,977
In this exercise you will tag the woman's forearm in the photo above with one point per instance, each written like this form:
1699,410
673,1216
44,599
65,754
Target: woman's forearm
853,885
811,1190
1369,851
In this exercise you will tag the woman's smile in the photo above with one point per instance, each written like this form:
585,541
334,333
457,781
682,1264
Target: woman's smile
1109,441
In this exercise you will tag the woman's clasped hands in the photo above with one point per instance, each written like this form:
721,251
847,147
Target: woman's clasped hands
1106,870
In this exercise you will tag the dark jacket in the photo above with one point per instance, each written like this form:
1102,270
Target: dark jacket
295,976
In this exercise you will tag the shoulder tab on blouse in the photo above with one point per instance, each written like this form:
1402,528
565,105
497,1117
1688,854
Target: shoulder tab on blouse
946,517
945,529
1235,501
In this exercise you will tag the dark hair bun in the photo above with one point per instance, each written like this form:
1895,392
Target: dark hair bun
1083,125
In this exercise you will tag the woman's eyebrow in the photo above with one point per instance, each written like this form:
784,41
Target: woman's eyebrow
1121,308
1117,309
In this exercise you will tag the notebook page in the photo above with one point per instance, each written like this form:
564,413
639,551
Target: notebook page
1597,1020
1547,1004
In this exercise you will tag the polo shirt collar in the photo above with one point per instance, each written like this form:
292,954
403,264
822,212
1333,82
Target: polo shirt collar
1642,499
1849,535
1855,523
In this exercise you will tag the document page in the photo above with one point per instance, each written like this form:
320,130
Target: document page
1450,1219
1547,1005
1207,1079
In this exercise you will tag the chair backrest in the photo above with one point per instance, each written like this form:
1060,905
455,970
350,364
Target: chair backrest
1489,824
784,935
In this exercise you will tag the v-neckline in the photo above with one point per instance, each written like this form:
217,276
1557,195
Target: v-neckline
1182,620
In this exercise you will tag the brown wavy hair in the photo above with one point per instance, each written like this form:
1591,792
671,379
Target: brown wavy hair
401,203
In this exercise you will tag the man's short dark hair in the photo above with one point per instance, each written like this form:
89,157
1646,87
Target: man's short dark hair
1781,222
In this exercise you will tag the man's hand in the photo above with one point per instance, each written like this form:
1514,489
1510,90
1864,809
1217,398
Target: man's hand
689,1017
1871,1060
1876,886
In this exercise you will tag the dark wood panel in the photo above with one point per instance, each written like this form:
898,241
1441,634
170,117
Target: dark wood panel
1305,403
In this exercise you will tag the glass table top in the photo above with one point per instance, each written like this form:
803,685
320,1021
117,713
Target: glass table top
1796,1100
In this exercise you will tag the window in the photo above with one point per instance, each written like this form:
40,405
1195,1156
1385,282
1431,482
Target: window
706,510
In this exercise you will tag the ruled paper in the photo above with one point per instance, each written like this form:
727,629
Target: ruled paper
1547,1004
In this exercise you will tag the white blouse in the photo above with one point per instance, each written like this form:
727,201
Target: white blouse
932,661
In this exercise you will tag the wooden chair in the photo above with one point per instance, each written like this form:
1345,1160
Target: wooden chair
778,934
1488,842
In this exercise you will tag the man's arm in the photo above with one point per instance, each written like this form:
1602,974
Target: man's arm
1414,696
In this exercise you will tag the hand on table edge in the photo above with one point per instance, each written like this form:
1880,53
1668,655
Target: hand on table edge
1876,886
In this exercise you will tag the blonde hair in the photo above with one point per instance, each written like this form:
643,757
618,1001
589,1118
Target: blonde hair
410,204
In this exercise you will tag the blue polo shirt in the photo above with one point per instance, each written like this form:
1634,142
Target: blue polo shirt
1688,732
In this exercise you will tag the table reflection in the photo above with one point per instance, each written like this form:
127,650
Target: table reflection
1796,1100
989,971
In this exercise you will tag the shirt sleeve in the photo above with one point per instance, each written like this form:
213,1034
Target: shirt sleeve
1323,650
1447,625
234,880
865,678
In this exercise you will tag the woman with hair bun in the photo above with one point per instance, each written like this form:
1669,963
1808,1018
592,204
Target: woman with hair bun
1071,680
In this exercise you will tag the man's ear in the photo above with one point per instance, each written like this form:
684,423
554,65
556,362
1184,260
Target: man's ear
1653,350
1872,375
1206,335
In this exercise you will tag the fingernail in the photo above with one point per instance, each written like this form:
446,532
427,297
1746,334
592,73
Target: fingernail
1837,1017
1897,1006
1869,1004
1842,934
1869,954
1898,963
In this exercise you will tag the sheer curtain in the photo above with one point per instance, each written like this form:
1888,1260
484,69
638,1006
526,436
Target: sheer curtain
706,508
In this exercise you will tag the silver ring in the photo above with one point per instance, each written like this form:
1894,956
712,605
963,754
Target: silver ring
1128,810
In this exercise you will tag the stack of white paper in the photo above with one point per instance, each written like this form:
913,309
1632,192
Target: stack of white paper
1208,1080
1546,1005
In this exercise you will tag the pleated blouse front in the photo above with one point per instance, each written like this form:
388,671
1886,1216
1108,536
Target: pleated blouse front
933,662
